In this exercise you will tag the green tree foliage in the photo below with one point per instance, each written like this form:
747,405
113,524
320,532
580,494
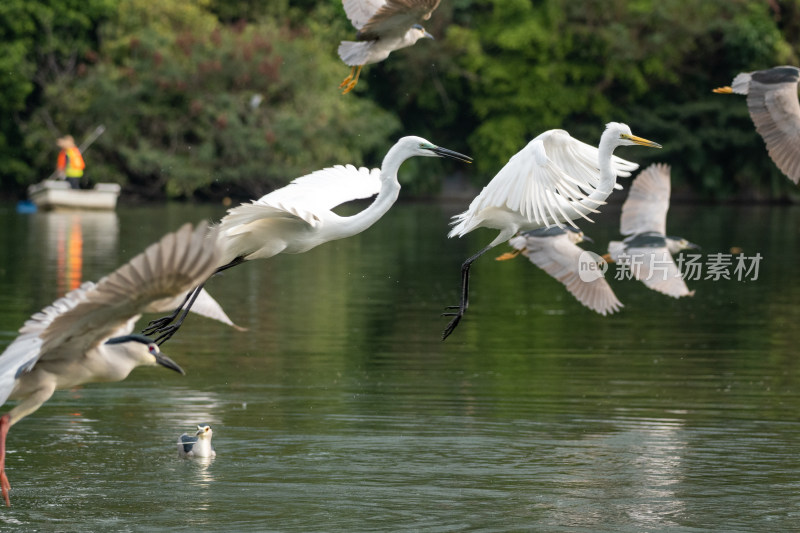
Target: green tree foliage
192,105
174,83
503,71
43,41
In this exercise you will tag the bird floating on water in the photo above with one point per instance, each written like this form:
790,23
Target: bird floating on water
648,249
383,27
85,336
553,180
775,111
555,250
299,216
198,445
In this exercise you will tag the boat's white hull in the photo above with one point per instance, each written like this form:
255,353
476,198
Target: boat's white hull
55,194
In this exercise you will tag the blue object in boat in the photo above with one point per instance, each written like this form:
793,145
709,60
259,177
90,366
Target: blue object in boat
26,207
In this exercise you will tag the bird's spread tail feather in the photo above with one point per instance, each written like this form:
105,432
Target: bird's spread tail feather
354,53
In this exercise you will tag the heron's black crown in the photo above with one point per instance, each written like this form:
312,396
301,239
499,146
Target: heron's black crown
130,338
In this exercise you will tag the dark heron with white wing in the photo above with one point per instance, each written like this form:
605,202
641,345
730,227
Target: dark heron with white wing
648,250
85,337
198,445
383,27
774,108
555,250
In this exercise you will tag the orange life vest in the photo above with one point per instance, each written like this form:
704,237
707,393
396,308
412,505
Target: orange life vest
71,162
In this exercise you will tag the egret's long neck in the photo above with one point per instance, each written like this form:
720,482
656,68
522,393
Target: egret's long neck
390,189
608,177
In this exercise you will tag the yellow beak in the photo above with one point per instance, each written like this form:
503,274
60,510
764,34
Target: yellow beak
722,90
639,140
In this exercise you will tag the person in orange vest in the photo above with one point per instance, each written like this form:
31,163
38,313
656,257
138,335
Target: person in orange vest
70,163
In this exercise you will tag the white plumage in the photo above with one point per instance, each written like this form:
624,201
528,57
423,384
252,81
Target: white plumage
547,183
553,180
299,217
292,219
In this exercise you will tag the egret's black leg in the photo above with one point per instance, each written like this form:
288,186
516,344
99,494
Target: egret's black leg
155,325
161,325
168,331
462,307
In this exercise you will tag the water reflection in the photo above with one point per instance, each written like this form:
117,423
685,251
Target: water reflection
188,408
65,238
340,409
644,459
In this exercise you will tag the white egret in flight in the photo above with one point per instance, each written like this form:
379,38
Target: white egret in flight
85,336
648,250
383,27
773,106
553,180
555,250
298,217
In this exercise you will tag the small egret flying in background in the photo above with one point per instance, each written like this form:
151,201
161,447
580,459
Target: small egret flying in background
299,216
648,250
197,446
85,336
383,27
555,250
774,108
553,180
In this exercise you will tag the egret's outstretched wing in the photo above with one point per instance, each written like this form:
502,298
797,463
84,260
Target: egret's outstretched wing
307,197
396,17
360,11
656,268
178,262
577,158
647,204
23,353
774,108
544,182
560,258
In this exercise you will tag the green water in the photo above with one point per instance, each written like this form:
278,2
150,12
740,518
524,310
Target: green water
342,410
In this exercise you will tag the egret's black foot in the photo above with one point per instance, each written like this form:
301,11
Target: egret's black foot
453,323
166,334
157,325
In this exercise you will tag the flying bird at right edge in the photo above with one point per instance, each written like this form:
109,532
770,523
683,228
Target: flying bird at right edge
648,249
383,27
774,108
